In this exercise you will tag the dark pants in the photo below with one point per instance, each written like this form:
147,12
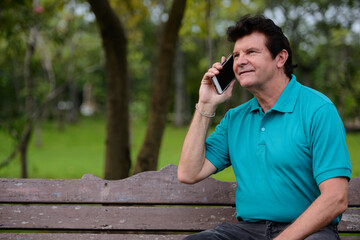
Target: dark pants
264,230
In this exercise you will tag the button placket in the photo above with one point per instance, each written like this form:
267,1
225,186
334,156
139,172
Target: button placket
262,144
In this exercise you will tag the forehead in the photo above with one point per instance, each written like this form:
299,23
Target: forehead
253,40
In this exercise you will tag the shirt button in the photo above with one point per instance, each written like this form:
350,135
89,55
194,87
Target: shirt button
263,129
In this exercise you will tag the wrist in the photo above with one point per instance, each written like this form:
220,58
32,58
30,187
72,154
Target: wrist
206,110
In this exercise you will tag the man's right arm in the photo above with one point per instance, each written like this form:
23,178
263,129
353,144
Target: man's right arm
193,165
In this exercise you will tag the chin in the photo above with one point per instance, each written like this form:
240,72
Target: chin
245,83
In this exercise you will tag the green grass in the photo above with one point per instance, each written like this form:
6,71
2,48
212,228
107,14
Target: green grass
353,143
79,149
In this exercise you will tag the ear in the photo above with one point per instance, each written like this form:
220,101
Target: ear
281,58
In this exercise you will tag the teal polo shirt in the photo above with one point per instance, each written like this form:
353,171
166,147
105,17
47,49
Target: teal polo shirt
279,158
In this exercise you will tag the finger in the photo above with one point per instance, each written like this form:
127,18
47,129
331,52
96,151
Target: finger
217,65
207,78
211,72
223,59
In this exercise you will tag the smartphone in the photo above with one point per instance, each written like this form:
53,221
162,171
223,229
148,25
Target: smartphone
222,80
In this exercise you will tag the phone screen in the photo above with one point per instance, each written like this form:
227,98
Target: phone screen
225,76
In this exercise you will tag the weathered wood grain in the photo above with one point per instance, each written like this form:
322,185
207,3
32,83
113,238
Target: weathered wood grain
354,192
69,236
350,221
113,218
128,218
154,205
350,237
79,236
148,188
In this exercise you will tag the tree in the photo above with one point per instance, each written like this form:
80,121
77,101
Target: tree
321,36
161,98
29,101
117,157
20,113
182,113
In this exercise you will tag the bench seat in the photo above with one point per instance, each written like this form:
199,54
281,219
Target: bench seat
149,205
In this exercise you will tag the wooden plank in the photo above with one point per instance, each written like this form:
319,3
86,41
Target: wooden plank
350,221
350,237
64,217
158,187
147,188
130,218
67,236
354,192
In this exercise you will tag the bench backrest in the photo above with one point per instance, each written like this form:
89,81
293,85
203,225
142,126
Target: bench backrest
147,203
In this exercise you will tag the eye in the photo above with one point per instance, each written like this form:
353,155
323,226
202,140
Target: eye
251,51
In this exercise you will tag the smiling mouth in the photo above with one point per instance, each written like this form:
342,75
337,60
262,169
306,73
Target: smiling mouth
244,72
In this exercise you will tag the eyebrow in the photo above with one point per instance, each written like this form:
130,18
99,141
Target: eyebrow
247,50
252,49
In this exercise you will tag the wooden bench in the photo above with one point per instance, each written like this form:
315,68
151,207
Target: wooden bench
149,205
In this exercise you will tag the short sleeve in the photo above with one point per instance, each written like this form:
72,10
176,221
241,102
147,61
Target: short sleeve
217,148
328,145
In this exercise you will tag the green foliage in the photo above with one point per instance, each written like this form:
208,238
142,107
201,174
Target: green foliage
325,46
12,106
66,45
324,36
13,15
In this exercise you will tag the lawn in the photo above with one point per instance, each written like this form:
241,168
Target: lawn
79,149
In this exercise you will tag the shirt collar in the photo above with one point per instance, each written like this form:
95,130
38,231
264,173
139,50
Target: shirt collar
255,105
287,99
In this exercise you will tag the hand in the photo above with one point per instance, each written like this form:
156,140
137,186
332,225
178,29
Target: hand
207,93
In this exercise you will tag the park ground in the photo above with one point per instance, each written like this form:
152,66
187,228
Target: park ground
79,149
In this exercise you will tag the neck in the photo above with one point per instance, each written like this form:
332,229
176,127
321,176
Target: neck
268,95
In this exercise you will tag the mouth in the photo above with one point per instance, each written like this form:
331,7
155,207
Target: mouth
243,72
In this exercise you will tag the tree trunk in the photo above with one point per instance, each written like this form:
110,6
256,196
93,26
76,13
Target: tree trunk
117,157
73,114
23,148
46,62
29,101
181,109
209,40
148,155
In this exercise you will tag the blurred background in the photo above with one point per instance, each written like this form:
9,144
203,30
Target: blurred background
109,87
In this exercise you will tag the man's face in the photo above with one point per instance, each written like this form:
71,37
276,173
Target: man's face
253,65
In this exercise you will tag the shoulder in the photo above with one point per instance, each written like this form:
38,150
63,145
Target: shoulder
313,97
312,102
318,111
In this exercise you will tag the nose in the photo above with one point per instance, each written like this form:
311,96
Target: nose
241,60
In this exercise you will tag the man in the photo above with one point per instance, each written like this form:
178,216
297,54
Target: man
286,145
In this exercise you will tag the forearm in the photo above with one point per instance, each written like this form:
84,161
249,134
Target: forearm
320,213
312,220
193,165
192,159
